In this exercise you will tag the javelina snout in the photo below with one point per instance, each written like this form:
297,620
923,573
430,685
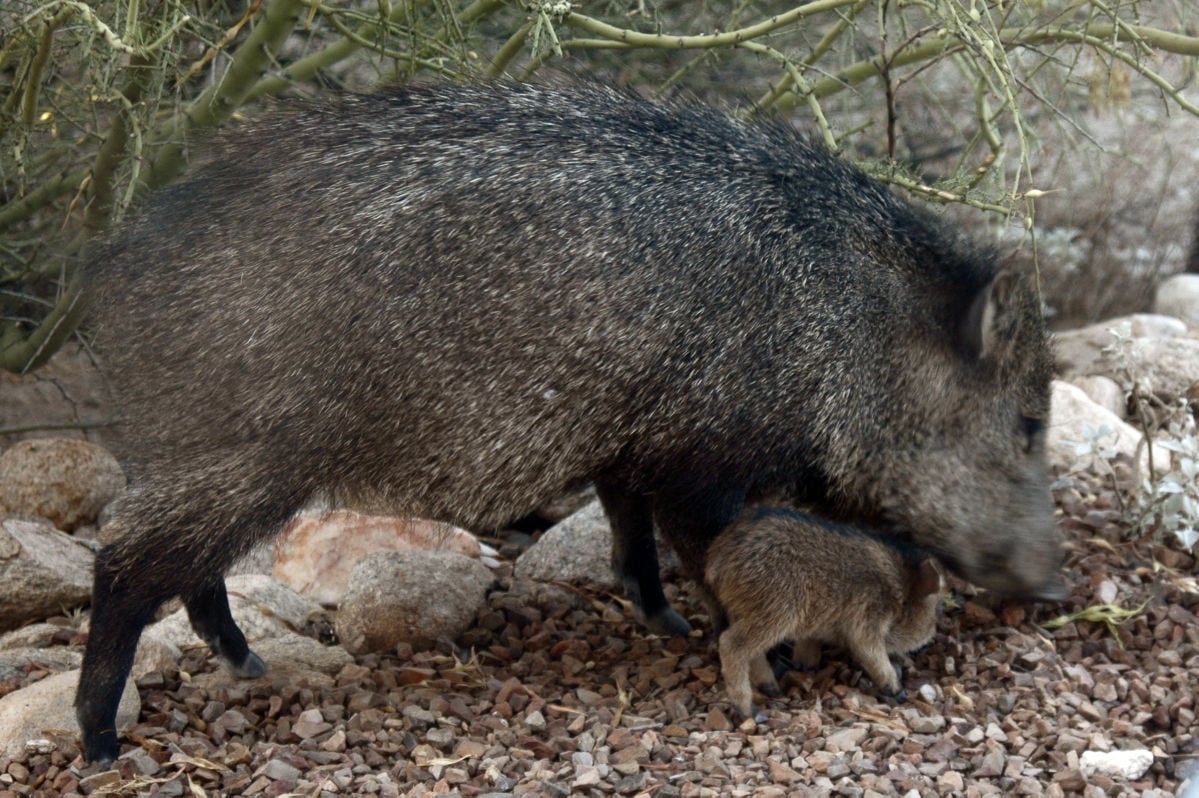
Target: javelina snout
959,460
780,574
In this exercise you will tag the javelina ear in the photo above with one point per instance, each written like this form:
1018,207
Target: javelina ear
983,331
928,579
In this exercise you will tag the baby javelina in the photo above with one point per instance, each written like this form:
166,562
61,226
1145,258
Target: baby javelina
786,575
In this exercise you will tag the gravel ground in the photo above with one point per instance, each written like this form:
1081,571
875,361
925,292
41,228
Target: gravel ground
557,692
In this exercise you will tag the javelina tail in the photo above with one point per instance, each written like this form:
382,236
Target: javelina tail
177,541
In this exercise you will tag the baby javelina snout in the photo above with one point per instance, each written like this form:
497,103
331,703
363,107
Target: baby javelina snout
786,575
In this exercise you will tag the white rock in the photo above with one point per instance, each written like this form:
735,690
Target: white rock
1127,765
47,708
42,570
1179,296
1104,392
1073,412
262,607
410,596
318,551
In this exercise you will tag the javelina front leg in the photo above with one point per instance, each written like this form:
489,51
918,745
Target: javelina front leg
690,520
762,674
635,557
738,652
209,613
872,656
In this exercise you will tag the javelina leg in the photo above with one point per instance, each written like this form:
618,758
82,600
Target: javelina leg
209,613
635,557
119,613
872,655
200,527
690,521
738,650
762,675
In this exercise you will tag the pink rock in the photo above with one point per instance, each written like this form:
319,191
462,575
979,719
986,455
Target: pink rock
317,552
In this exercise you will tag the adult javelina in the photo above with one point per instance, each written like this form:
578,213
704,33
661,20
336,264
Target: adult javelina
781,575
457,301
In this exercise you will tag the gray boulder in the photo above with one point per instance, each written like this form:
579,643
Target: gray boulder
1179,296
43,571
67,481
410,596
45,710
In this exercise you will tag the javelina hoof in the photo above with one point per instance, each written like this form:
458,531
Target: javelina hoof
899,694
769,690
780,662
668,623
250,668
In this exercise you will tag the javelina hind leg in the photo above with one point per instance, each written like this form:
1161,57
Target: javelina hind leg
119,613
635,557
209,613
182,532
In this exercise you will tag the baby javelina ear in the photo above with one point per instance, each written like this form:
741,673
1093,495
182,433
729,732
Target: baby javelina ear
786,575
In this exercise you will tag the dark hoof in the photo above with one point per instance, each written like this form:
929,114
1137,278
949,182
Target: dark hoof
101,753
770,690
668,623
780,663
898,696
760,716
251,668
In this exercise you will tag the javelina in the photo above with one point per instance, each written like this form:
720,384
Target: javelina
785,575
458,301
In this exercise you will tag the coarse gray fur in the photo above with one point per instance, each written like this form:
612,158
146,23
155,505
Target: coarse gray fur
784,575
458,301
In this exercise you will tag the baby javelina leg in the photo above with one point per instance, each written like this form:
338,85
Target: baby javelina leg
786,575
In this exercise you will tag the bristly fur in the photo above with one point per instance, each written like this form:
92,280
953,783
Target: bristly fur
785,575
456,300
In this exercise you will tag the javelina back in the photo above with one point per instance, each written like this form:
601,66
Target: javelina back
785,575
458,301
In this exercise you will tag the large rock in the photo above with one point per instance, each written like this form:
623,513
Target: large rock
1077,351
579,549
262,607
410,596
1179,296
318,551
42,571
16,663
1163,359
1172,368
46,708
1073,412
1104,392
303,652
67,481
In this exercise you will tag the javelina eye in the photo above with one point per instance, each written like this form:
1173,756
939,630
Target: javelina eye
1030,428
